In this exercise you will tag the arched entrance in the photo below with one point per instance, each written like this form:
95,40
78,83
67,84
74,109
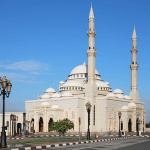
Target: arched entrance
137,124
19,128
49,123
41,124
129,125
32,125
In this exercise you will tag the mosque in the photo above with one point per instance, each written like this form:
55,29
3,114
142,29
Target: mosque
84,84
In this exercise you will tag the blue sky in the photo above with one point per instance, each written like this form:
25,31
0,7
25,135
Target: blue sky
42,41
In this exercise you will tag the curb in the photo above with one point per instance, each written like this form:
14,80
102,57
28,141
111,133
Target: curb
22,137
66,144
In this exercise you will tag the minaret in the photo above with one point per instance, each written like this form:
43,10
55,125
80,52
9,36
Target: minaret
134,67
91,52
91,89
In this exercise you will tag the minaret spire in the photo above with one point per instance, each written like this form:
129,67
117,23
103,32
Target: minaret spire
91,16
134,67
134,34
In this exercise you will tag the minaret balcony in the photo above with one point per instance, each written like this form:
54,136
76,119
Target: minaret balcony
134,66
91,32
134,49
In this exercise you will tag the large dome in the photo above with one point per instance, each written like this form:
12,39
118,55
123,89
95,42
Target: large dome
72,83
81,69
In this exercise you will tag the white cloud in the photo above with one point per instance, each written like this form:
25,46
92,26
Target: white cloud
29,81
37,73
21,78
14,75
29,65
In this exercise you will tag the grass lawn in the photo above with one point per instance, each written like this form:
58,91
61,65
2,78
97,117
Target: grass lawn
44,140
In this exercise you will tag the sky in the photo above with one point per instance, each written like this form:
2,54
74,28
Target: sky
42,41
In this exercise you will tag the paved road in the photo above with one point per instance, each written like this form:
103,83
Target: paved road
137,143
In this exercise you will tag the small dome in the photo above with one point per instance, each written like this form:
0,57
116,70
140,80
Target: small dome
101,84
56,95
72,83
81,69
67,94
117,91
127,97
107,83
61,82
45,96
50,90
120,96
111,95
55,106
124,107
45,103
131,104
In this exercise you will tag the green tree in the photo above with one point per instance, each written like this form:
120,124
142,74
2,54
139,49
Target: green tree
61,126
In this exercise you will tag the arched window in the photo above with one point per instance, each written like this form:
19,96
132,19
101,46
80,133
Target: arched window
73,115
94,115
110,114
114,114
66,115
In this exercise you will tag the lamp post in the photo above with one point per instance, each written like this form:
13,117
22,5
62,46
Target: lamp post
138,122
4,84
119,114
88,108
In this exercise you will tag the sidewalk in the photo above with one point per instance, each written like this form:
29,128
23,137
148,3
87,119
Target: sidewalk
60,143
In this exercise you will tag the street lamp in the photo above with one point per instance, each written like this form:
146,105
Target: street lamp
5,84
119,114
88,108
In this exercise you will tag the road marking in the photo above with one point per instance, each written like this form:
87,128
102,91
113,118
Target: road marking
38,147
26,148
47,146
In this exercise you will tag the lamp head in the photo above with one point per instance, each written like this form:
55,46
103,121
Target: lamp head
88,106
9,85
119,114
4,82
0,83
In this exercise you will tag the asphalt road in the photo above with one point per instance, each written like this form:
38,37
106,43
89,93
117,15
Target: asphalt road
137,143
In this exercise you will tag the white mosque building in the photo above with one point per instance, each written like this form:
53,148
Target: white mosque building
84,84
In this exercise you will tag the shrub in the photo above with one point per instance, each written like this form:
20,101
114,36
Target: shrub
61,126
